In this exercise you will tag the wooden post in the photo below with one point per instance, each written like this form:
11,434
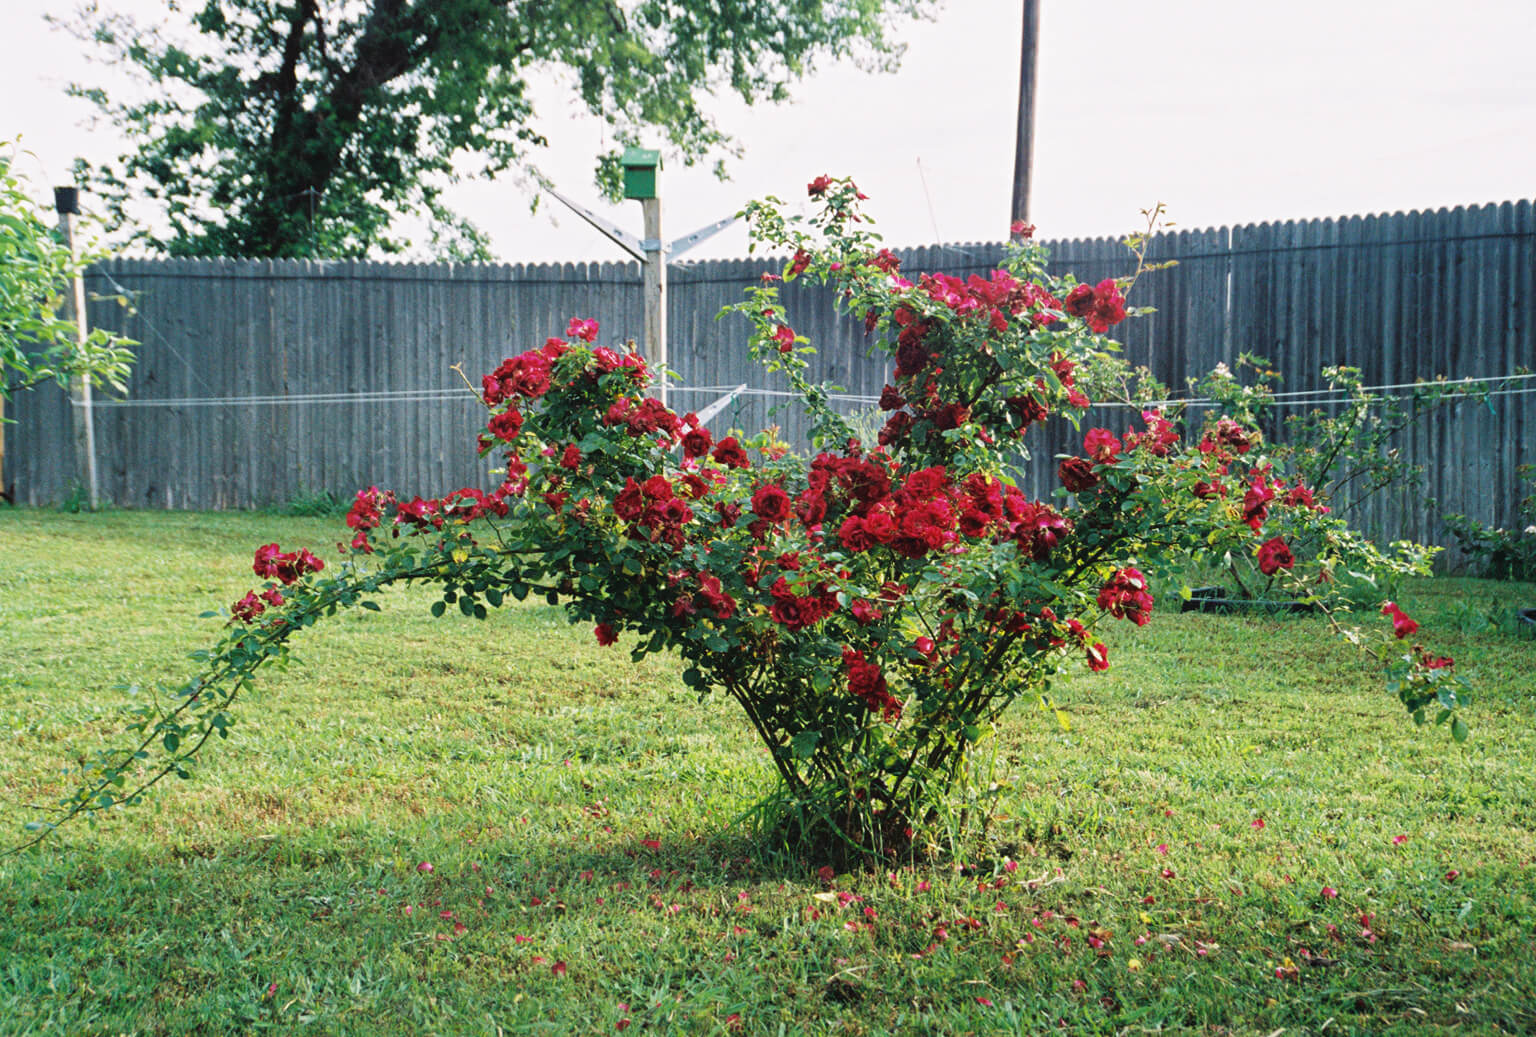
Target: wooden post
655,291
1024,141
66,202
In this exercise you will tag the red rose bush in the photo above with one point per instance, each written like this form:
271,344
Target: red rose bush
871,607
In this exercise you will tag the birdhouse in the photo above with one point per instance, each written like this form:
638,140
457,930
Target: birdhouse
640,166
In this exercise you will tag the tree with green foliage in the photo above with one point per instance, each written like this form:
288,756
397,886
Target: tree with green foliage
37,344
294,128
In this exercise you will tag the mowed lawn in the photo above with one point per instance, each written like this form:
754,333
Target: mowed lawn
449,826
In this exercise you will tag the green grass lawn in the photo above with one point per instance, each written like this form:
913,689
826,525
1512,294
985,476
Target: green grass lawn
593,866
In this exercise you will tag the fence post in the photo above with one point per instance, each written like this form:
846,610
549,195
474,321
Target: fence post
66,201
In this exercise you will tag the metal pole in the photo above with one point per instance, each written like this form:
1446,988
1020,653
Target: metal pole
66,202
655,291
1024,142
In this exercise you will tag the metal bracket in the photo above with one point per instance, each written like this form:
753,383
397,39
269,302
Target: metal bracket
613,232
687,241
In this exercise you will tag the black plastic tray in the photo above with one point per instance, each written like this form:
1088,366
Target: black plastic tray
1214,599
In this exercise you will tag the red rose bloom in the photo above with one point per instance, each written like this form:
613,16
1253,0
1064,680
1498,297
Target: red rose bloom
867,683
606,635
1402,626
1101,445
1256,502
629,504
586,330
247,608
771,503
696,442
1127,597
657,487
729,453
1274,555
1076,474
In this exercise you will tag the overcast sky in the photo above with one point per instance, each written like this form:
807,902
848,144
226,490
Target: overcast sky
1227,112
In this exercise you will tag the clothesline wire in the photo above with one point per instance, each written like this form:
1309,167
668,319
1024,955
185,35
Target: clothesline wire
458,393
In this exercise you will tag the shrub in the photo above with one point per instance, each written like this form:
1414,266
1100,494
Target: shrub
872,608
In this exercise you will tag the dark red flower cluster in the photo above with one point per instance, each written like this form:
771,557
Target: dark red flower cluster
771,504
918,517
729,453
273,564
994,298
1300,496
714,597
251,606
470,504
1256,501
697,440
1402,625
1274,555
1101,305
1065,371
1035,526
420,512
1026,411
1101,445
503,426
366,515
798,611
654,508
1228,435
525,375
646,417
1126,596
1077,474
818,187
1433,662
886,260
586,330
867,683
631,364
1158,439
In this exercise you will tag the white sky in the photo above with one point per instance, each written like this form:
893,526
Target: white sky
1226,111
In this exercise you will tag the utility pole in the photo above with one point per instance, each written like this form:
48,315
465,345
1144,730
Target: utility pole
66,201
1024,142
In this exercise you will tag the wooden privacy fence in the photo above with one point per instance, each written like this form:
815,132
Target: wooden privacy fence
261,381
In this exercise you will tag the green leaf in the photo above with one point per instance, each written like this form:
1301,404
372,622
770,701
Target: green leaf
1459,730
467,605
371,606
438,608
804,744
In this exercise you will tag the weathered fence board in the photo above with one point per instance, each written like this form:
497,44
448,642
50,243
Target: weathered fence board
261,381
